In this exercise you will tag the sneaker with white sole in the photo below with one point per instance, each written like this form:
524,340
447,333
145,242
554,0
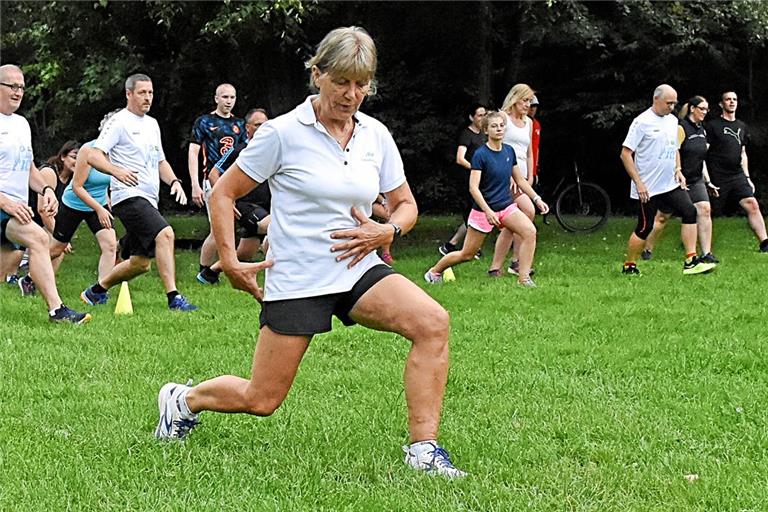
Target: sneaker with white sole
429,457
527,282
173,424
433,278
514,268
27,286
92,298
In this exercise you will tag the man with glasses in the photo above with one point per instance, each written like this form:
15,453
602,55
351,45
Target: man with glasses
18,174
651,158
213,135
252,209
729,167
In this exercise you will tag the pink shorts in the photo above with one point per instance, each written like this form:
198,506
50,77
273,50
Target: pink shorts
478,221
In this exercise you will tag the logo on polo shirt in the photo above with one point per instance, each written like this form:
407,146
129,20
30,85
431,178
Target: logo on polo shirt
369,157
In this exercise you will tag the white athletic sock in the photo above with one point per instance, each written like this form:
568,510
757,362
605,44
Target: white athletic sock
422,446
181,401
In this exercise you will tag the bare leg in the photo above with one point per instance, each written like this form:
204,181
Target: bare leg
125,271
208,254
634,247
472,243
166,259
36,240
704,225
459,235
523,228
9,261
755,216
275,363
659,223
500,250
56,249
688,236
395,304
108,245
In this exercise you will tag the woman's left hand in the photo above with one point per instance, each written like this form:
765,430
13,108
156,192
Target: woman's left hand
362,240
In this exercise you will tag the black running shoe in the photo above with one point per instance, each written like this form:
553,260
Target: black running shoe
64,314
631,270
446,248
709,258
646,254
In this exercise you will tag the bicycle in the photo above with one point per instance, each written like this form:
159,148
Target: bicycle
580,207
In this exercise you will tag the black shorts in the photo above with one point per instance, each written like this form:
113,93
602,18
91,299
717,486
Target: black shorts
142,223
732,191
675,201
305,317
4,240
68,220
697,191
250,215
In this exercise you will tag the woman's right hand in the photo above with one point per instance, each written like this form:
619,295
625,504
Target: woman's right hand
242,276
105,218
492,218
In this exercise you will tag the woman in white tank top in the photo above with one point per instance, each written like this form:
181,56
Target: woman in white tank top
518,135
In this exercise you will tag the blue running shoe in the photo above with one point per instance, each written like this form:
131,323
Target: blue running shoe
429,457
92,298
180,303
64,314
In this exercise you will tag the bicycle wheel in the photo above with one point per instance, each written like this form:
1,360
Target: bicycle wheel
582,208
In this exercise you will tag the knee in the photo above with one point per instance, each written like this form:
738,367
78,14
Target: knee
660,221
108,246
263,406
704,209
433,326
56,249
750,205
140,263
166,236
689,215
38,241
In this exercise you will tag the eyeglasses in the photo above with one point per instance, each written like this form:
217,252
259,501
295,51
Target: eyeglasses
702,109
14,87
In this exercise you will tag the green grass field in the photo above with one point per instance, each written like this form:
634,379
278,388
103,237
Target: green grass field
594,391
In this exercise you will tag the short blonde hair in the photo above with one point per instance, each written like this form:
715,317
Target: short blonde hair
494,114
348,52
517,93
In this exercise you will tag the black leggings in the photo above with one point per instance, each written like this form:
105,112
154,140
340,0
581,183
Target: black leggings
675,201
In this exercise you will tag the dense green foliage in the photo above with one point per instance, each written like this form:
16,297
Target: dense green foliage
594,64
593,392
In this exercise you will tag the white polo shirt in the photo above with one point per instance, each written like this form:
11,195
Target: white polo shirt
653,139
15,157
133,142
315,183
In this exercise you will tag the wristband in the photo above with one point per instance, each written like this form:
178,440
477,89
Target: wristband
537,198
174,181
398,230
42,192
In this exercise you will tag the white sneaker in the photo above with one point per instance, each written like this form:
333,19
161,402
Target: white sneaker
432,459
172,424
433,278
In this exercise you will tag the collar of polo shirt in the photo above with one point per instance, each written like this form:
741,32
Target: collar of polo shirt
306,114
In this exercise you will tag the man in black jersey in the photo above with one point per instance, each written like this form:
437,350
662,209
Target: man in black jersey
729,167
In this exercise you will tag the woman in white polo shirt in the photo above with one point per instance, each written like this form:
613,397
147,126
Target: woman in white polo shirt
326,163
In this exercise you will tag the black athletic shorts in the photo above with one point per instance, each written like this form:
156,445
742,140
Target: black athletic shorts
305,317
676,201
4,240
732,190
142,223
68,220
250,215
